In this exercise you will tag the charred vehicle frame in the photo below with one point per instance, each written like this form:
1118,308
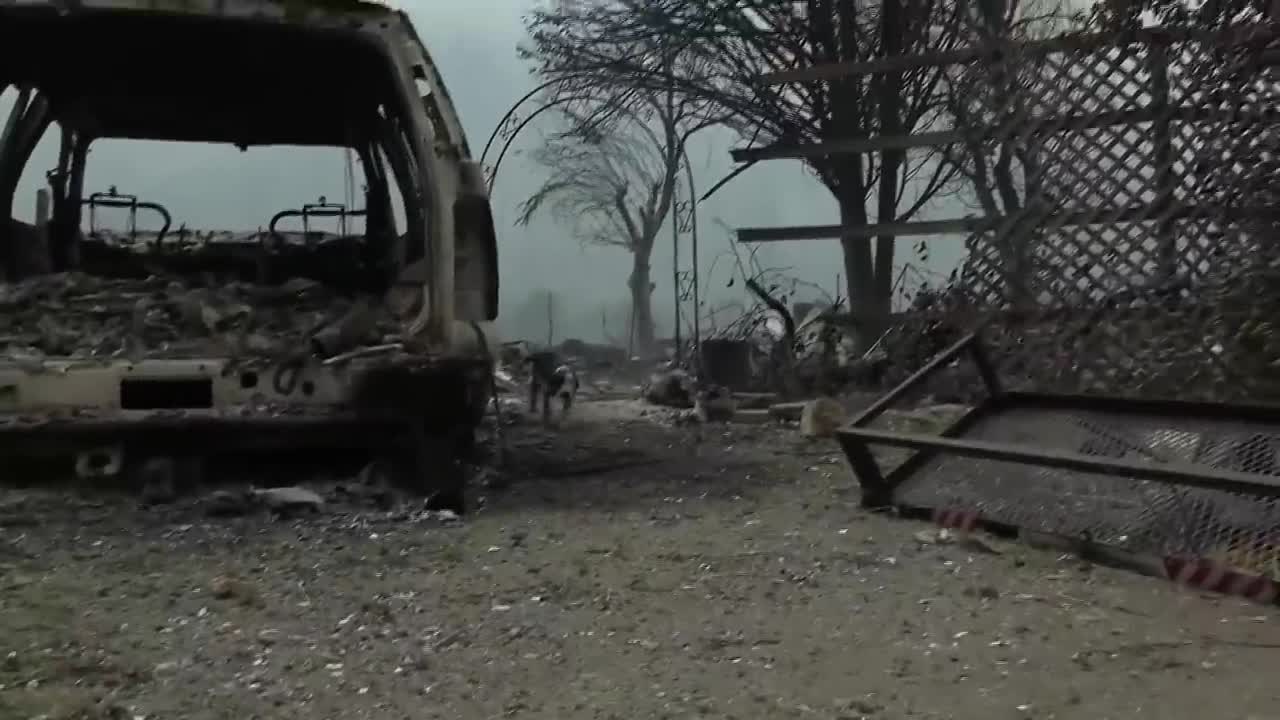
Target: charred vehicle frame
248,73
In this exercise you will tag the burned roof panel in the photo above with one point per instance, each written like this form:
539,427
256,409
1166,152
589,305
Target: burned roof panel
311,12
242,72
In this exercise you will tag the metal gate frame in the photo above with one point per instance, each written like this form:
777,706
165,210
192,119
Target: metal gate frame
878,487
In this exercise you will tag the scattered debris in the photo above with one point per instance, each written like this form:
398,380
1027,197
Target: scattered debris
228,587
944,536
715,404
821,417
787,412
353,600
592,355
282,501
374,486
506,383
78,315
754,401
289,500
224,503
670,388
753,417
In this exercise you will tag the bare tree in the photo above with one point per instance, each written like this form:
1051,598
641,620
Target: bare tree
736,43
626,139
614,189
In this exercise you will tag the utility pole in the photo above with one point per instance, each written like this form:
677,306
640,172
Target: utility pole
43,203
669,67
551,318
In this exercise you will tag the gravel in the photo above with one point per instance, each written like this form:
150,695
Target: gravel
730,575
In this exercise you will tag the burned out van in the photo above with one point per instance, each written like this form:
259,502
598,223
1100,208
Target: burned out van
119,344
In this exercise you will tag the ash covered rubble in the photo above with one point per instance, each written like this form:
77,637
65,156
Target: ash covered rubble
81,316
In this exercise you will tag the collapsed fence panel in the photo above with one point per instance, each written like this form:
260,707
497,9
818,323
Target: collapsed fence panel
1188,490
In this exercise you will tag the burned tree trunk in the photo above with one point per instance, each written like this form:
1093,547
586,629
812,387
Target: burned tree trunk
641,301
869,297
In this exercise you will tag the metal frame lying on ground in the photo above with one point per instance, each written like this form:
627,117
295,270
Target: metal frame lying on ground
1187,490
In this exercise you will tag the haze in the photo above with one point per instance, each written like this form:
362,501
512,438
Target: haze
474,44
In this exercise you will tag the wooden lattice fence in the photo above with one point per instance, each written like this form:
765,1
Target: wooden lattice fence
1128,240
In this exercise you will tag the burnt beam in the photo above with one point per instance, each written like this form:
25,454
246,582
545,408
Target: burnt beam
971,225
1023,126
1062,43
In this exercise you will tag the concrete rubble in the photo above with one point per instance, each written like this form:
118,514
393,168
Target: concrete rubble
821,417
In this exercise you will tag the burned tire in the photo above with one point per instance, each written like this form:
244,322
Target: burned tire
428,464
439,461
442,406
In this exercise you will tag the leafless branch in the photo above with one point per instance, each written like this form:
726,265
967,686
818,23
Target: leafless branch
602,188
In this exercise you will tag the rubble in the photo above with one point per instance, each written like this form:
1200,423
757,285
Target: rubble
969,541
593,355
787,411
821,417
753,417
289,500
715,404
670,388
755,401
89,317
224,503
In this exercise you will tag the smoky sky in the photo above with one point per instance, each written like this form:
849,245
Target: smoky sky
474,43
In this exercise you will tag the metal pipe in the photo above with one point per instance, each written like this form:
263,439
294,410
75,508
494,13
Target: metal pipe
511,111
493,172
1174,473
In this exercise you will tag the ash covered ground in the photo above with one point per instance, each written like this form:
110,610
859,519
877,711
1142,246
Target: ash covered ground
619,567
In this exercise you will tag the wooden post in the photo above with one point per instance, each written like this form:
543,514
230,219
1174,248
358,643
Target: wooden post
43,203
36,256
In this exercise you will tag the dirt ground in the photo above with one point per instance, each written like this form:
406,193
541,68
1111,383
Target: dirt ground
621,569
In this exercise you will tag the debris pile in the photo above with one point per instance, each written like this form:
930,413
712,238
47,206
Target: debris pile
821,417
88,317
670,388
593,356
715,404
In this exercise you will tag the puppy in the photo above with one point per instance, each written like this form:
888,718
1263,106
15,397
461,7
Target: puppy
549,379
